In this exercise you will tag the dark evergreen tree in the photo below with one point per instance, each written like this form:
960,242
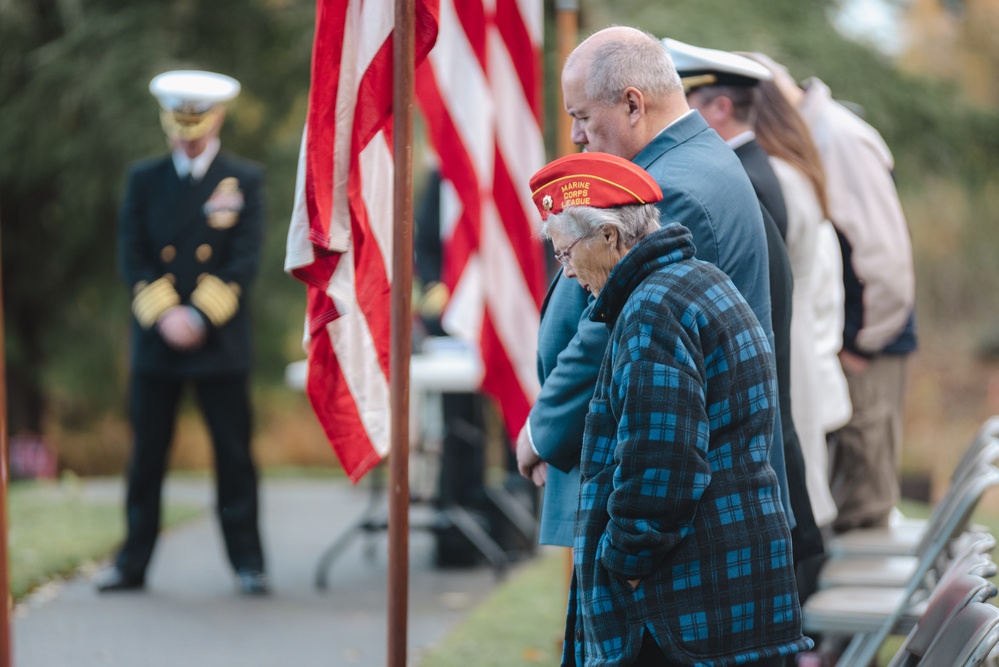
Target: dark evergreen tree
74,111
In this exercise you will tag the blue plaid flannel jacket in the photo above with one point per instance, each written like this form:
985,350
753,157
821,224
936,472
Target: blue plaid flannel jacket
676,486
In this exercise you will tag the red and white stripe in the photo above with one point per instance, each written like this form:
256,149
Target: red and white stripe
480,92
340,236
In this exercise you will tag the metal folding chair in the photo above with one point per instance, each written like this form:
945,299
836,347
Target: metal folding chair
966,640
850,610
895,571
947,600
903,536
871,613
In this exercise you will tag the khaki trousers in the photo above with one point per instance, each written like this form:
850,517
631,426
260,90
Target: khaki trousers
864,455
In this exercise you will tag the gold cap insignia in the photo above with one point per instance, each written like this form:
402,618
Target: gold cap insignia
697,81
546,202
188,126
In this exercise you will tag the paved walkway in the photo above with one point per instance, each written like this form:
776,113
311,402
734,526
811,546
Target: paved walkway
190,615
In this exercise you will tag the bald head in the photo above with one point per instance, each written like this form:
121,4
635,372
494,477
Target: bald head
623,80
615,58
583,54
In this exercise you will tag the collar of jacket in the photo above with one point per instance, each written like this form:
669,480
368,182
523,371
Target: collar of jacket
675,134
673,243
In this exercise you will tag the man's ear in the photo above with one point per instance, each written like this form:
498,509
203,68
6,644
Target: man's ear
718,111
724,105
636,104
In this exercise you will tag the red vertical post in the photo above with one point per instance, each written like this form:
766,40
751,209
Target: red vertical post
5,607
566,31
402,285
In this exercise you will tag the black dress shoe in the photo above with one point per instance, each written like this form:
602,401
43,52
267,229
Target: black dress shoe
252,582
112,580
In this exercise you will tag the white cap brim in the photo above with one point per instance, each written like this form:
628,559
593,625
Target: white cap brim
690,59
197,89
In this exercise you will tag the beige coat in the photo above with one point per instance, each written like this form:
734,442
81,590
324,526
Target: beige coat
817,382
864,206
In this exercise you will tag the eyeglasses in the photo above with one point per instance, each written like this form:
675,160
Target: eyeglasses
564,255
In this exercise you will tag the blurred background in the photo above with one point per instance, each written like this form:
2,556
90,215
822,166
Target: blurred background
75,110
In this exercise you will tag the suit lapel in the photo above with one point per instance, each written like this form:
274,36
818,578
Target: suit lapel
215,170
165,193
548,296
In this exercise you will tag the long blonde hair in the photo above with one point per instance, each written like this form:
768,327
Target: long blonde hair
782,133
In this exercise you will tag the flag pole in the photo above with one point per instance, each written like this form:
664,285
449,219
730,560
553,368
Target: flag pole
5,629
402,281
566,29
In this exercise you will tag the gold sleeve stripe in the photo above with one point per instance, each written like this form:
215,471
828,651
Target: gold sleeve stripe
153,300
434,300
217,300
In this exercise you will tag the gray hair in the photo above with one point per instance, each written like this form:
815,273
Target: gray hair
633,222
618,64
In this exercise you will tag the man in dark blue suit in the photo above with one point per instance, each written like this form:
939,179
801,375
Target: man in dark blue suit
720,85
190,234
625,98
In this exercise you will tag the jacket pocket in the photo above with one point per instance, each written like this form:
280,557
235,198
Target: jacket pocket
609,614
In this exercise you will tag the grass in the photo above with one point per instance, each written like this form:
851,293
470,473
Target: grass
54,530
518,625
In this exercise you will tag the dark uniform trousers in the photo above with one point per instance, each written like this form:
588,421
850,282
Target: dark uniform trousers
225,404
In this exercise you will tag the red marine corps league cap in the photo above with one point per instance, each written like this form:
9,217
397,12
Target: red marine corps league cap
599,180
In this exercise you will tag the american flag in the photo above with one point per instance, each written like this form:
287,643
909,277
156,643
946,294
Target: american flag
480,93
340,236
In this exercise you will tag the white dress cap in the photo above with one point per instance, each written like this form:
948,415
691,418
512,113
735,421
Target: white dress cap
702,67
192,91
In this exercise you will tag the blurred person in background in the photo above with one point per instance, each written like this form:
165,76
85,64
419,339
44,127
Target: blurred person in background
822,399
879,332
190,234
821,395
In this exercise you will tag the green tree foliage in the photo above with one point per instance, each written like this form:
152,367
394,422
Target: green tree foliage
75,111
946,149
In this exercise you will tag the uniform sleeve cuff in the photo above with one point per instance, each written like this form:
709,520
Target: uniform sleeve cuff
154,299
218,301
